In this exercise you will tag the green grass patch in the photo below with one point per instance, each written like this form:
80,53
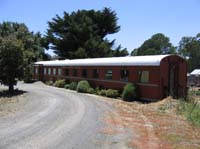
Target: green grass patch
174,138
191,110
194,93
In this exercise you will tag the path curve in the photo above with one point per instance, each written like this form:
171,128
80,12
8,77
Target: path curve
55,118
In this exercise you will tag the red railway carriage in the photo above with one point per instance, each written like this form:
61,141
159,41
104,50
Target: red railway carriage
156,76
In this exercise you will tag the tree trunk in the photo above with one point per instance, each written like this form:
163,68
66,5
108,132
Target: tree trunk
11,88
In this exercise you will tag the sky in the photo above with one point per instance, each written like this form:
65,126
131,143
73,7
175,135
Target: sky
139,19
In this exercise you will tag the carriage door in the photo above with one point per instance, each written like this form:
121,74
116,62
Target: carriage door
40,75
173,80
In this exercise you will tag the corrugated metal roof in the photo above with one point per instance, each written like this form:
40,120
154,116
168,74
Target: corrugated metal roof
153,60
195,72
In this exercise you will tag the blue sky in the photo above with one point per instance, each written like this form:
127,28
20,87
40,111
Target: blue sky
139,19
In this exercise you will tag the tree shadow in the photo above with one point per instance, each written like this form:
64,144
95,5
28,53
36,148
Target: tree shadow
6,93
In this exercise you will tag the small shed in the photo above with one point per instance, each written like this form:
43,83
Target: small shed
194,78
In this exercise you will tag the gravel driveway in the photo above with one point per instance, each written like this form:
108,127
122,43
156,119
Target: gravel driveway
57,118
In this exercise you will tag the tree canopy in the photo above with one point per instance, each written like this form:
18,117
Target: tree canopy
19,48
82,34
11,61
33,43
189,48
156,45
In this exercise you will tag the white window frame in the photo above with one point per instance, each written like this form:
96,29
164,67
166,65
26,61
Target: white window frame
144,77
45,71
59,71
36,70
49,71
109,74
54,71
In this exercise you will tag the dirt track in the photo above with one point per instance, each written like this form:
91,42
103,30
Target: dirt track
49,117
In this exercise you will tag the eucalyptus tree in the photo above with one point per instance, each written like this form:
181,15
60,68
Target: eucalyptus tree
156,45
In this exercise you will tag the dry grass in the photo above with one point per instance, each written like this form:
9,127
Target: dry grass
10,103
155,125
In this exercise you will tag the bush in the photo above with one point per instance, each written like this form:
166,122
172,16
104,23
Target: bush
91,91
102,92
112,93
83,86
129,92
59,83
49,83
97,89
66,86
72,86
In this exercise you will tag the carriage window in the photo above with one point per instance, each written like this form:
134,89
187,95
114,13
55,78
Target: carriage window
49,71
54,71
66,72
124,73
45,71
36,70
108,74
75,72
95,73
59,71
144,76
84,73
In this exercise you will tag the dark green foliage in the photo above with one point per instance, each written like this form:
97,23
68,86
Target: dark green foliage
156,45
73,85
31,45
11,61
28,74
129,92
59,83
112,93
83,86
83,34
189,48
119,52
50,83
66,86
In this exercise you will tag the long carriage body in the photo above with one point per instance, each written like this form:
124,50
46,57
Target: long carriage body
155,76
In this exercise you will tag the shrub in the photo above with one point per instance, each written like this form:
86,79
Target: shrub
102,92
59,83
129,92
91,91
49,83
97,89
83,86
112,93
72,86
66,86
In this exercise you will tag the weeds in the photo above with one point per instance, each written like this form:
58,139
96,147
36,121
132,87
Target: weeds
191,110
